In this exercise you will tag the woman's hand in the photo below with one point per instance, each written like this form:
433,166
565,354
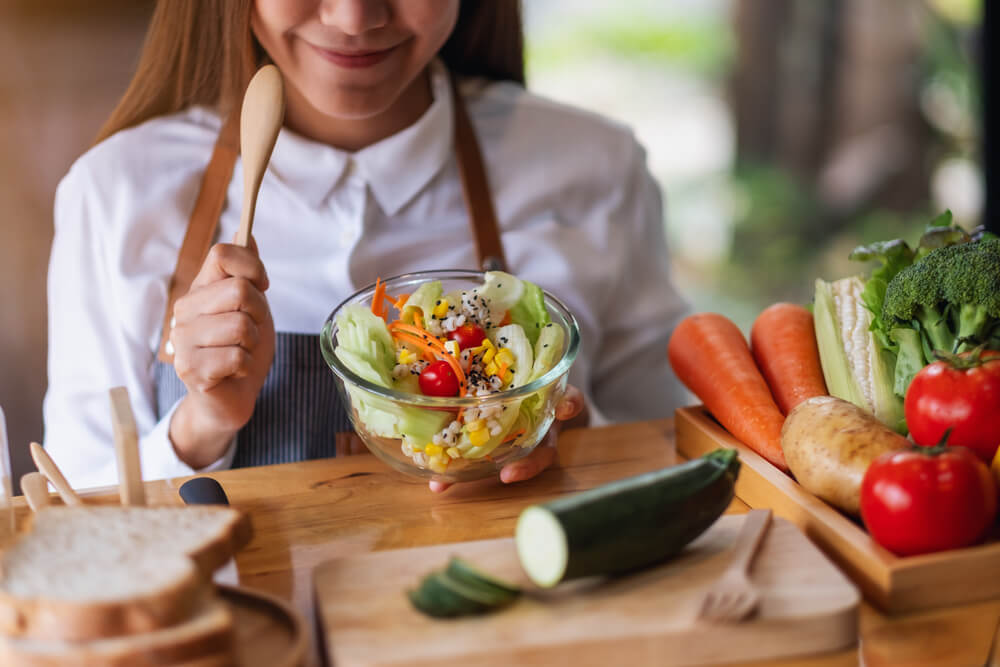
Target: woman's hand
569,412
223,339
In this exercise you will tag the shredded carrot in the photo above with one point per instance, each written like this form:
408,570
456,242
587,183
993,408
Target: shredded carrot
428,350
378,307
401,301
506,319
417,330
389,299
417,319
427,346
515,435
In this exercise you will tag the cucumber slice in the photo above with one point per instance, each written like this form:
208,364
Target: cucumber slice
444,595
464,573
440,601
627,524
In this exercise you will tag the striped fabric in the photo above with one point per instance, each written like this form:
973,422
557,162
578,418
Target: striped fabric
298,413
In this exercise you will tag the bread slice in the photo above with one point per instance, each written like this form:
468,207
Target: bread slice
207,638
89,572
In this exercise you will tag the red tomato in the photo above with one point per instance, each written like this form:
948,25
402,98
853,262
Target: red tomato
926,499
468,335
437,379
962,394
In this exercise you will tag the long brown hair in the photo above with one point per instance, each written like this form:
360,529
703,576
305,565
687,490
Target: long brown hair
202,52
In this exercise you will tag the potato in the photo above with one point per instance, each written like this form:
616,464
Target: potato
828,444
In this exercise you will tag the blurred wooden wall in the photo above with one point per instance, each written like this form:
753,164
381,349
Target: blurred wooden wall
66,62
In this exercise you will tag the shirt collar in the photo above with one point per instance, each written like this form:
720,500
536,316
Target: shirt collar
396,168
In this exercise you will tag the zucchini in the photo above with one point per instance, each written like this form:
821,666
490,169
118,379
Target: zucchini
442,595
464,573
625,525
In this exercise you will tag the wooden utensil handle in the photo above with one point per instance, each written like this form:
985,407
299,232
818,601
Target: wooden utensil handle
130,487
35,487
49,468
754,528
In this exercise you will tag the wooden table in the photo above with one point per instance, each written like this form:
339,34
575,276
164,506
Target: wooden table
306,513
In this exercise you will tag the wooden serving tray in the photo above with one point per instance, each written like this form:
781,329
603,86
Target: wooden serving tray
893,583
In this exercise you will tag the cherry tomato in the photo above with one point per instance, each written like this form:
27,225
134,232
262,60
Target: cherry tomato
960,393
468,335
437,379
927,499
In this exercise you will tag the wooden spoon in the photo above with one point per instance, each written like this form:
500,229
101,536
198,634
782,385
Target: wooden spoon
260,120
35,488
130,488
49,468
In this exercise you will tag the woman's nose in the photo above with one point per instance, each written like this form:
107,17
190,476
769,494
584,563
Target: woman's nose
355,17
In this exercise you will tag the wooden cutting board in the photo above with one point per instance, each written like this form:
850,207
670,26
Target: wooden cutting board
647,618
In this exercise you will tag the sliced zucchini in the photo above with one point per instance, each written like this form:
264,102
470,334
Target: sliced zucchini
463,572
443,600
627,524
460,590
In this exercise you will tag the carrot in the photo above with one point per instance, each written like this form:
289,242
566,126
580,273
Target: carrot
428,345
515,435
389,299
783,343
400,302
711,357
378,308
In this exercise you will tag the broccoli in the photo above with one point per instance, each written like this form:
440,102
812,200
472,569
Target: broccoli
951,297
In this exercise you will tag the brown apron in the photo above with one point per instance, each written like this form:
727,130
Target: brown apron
298,414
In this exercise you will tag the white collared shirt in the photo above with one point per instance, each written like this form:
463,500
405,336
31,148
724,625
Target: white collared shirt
579,214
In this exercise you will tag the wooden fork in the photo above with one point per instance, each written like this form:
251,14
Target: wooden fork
733,596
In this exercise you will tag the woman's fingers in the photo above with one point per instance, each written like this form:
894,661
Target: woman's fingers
221,330
571,404
204,367
222,296
226,260
531,465
439,487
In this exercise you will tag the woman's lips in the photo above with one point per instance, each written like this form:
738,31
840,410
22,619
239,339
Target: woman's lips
356,59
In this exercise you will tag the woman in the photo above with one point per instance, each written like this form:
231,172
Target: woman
218,347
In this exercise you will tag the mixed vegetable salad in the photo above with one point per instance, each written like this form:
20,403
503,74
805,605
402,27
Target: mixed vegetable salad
478,342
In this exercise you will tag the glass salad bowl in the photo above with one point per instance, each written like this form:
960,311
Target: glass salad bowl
456,419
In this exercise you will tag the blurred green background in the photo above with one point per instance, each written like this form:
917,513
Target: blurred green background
783,132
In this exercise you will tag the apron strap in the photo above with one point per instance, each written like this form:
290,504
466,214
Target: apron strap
476,189
203,222
212,197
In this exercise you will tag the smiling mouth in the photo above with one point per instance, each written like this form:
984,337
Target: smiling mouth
354,59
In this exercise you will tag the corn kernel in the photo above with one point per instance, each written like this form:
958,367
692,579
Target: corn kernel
488,355
453,452
438,464
491,368
440,309
477,425
479,438
453,348
407,356
505,357
433,450
507,377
